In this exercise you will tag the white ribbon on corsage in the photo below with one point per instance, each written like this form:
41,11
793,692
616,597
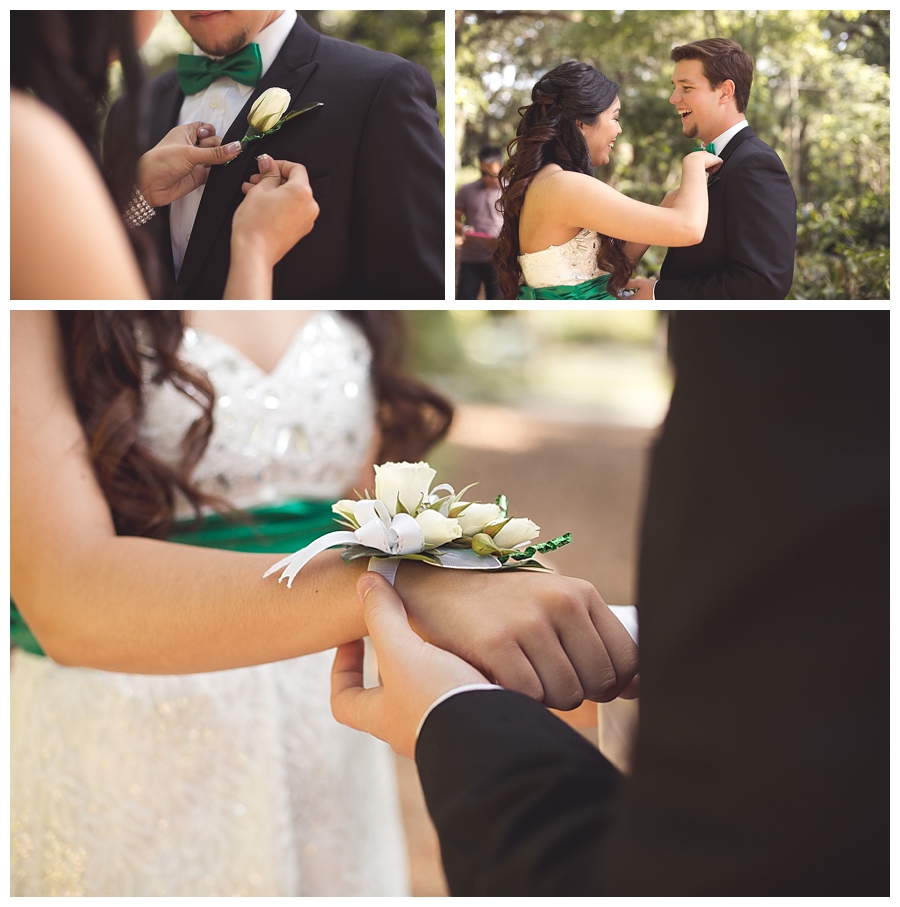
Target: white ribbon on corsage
394,537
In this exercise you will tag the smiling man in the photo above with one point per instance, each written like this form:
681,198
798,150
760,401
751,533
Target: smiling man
748,249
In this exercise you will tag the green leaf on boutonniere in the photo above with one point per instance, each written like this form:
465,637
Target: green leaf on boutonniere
253,134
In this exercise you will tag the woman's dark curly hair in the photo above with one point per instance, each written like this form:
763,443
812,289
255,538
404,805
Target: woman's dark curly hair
104,372
548,134
62,57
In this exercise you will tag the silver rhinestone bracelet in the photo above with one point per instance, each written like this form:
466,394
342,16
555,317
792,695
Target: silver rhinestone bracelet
138,211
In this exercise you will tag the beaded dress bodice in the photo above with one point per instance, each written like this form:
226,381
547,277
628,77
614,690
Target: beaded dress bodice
569,264
301,430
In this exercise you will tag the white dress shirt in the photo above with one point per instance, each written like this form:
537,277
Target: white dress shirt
220,103
720,141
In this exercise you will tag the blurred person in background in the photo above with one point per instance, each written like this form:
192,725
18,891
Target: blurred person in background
478,222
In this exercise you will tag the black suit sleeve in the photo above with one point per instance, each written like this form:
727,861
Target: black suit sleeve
760,235
399,190
521,801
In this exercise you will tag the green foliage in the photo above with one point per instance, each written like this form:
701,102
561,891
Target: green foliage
416,35
820,97
843,249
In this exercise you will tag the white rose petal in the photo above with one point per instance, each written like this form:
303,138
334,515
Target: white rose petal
516,532
476,516
268,109
437,529
407,481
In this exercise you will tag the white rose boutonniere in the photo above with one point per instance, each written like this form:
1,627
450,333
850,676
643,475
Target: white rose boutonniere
267,115
411,518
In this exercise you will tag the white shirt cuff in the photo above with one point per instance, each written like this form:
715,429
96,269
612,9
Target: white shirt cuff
628,617
449,693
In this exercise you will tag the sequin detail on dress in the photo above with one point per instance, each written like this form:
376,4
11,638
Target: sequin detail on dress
571,263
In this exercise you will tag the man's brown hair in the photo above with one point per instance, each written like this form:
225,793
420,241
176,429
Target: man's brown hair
722,59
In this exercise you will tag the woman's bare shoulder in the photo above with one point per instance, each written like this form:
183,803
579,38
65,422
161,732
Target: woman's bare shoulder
61,211
39,131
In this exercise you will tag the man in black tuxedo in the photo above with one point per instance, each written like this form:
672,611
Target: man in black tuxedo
747,251
373,152
761,765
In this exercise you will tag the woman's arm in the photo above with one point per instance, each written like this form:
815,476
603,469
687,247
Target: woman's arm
67,240
577,201
635,251
96,599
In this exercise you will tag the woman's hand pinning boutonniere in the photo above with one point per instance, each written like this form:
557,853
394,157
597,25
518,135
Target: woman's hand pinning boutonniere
267,115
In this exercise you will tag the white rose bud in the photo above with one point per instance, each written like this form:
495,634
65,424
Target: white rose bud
268,109
516,532
476,516
483,544
408,482
437,529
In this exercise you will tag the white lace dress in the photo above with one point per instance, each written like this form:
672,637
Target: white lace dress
234,782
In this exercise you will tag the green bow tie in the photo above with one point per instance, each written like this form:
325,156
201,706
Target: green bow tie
195,72
710,148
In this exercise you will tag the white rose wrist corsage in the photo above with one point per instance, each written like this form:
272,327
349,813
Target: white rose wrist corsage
408,519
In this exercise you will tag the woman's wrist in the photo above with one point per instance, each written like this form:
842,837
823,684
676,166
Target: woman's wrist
250,270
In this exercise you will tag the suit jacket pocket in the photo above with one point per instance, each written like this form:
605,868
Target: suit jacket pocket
321,186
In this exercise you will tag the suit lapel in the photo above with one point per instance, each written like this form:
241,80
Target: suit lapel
742,136
290,70
163,116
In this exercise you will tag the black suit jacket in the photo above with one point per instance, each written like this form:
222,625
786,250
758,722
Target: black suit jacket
747,251
375,159
761,761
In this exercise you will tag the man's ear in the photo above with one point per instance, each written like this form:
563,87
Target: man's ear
726,90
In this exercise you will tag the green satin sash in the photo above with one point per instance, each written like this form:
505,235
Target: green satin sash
272,529
590,289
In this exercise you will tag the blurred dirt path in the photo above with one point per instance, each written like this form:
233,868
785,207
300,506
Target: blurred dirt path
567,476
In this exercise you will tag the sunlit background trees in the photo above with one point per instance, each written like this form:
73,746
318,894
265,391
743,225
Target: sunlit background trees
820,97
